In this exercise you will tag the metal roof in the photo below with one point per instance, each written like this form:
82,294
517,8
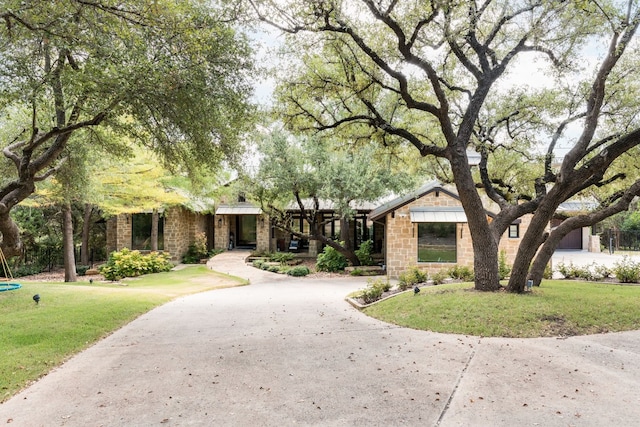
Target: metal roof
239,209
384,209
438,214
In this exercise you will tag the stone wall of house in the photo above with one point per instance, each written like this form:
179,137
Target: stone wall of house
180,230
263,233
118,232
509,244
402,237
402,240
221,235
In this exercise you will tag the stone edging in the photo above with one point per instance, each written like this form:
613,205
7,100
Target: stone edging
359,306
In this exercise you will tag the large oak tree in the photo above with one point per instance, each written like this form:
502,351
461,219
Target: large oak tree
173,75
441,75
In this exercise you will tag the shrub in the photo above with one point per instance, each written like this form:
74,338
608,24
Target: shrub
627,271
331,260
27,270
603,271
374,290
439,277
128,263
257,263
273,269
282,257
504,269
461,272
81,270
410,277
357,272
570,271
364,253
197,250
298,271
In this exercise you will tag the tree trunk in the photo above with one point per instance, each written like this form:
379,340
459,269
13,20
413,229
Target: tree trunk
545,253
86,229
154,230
485,243
67,245
531,241
345,233
11,243
485,264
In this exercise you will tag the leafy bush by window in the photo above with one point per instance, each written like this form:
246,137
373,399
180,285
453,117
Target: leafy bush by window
128,263
197,250
461,272
410,277
331,260
364,253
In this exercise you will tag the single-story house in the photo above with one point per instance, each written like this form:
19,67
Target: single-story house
244,225
428,228
178,228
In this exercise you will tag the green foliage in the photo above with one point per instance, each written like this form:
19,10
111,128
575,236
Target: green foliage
461,272
439,277
26,270
331,260
410,277
197,250
631,222
298,271
503,268
128,263
374,290
81,270
627,270
364,253
282,257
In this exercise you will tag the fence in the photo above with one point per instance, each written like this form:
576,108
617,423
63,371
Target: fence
49,258
618,240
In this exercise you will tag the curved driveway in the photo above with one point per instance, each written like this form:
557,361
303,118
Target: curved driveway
286,351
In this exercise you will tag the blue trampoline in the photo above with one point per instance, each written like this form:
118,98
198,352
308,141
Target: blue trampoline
5,284
9,286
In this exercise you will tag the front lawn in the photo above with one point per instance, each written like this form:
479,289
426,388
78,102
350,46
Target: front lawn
557,308
70,317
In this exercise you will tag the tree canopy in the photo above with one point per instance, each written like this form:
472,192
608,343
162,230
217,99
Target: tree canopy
172,75
513,80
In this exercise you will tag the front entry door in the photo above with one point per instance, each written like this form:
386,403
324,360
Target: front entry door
246,231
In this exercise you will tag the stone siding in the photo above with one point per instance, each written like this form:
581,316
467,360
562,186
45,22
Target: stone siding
401,237
119,233
180,230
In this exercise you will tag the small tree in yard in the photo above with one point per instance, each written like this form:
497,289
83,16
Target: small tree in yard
442,77
304,172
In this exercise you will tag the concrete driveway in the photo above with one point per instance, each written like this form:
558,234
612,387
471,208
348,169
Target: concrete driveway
286,351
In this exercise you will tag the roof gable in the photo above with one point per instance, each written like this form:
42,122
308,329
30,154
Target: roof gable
399,202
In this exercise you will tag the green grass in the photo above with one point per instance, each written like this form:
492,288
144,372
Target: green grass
557,308
72,316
